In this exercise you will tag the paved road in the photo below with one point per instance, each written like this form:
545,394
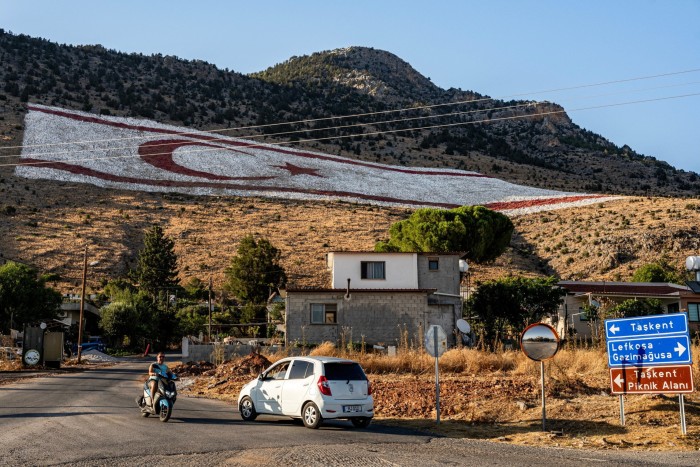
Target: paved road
90,418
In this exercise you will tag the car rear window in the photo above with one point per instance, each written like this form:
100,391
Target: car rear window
349,371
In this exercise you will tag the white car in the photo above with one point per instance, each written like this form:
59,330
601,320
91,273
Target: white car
311,389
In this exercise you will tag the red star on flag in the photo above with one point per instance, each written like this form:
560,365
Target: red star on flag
296,170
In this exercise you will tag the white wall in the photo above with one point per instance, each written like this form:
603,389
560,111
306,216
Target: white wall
401,270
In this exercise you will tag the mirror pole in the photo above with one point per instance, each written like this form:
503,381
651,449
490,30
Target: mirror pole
544,409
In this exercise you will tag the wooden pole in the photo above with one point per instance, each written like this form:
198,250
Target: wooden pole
209,338
82,307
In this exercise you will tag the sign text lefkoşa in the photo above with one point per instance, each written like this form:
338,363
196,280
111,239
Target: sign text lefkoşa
649,354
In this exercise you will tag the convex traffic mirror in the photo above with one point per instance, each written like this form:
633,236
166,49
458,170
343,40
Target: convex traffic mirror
539,341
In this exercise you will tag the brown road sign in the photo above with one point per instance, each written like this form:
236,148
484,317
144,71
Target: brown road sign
671,379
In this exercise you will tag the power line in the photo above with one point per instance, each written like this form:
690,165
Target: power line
384,112
311,130
429,127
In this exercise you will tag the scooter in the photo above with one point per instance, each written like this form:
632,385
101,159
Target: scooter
164,399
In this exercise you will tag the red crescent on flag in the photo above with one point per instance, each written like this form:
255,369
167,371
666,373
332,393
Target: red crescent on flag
159,153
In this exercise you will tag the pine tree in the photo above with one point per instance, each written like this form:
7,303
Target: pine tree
254,271
156,267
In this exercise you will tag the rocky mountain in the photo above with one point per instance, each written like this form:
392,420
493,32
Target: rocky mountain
400,116
47,223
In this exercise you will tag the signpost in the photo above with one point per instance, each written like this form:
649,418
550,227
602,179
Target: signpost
656,325
652,380
436,345
650,355
657,350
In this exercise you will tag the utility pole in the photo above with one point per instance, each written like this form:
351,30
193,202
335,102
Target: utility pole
209,310
82,307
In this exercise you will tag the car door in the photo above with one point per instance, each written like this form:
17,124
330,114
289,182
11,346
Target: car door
269,393
296,386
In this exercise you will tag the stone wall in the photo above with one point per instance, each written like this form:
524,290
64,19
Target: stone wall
205,352
375,317
445,279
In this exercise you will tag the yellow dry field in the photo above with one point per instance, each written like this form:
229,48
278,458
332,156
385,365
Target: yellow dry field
53,221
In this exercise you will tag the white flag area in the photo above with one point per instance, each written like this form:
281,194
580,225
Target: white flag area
142,155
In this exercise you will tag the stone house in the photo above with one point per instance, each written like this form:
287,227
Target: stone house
378,298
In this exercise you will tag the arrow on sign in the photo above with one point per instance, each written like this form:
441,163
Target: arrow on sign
680,349
619,380
614,329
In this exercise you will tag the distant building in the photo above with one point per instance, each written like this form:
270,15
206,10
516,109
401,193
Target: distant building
70,314
673,297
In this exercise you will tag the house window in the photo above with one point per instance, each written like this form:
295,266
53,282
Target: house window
433,264
694,312
673,308
324,313
583,314
372,270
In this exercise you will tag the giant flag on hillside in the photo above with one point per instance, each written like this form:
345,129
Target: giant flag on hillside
132,154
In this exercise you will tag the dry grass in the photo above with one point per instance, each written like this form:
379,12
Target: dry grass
53,221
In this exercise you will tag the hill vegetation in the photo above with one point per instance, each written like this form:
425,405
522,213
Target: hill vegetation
526,142
46,223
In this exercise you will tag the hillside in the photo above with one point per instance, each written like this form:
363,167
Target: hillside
530,143
46,223
50,222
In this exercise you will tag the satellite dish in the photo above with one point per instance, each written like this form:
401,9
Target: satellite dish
463,326
692,263
463,266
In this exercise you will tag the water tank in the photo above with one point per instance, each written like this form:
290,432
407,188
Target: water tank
692,263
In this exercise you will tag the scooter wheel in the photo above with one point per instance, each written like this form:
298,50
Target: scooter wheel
145,414
165,412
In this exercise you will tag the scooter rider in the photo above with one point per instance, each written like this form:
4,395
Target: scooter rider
156,368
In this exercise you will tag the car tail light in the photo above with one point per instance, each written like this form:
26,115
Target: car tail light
369,387
323,386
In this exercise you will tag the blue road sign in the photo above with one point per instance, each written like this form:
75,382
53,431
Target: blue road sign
656,325
650,350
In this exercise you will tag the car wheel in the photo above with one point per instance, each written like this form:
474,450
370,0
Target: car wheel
311,416
361,422
247,409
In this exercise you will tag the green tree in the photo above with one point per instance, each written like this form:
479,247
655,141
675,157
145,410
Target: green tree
632,307
481,233
197,290
255,271
156,267
506,306
162,328
128,315
659,271
24,297
192,319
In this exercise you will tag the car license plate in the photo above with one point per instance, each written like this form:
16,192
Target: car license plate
352,408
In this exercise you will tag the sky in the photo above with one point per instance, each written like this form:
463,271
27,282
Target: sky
647,51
